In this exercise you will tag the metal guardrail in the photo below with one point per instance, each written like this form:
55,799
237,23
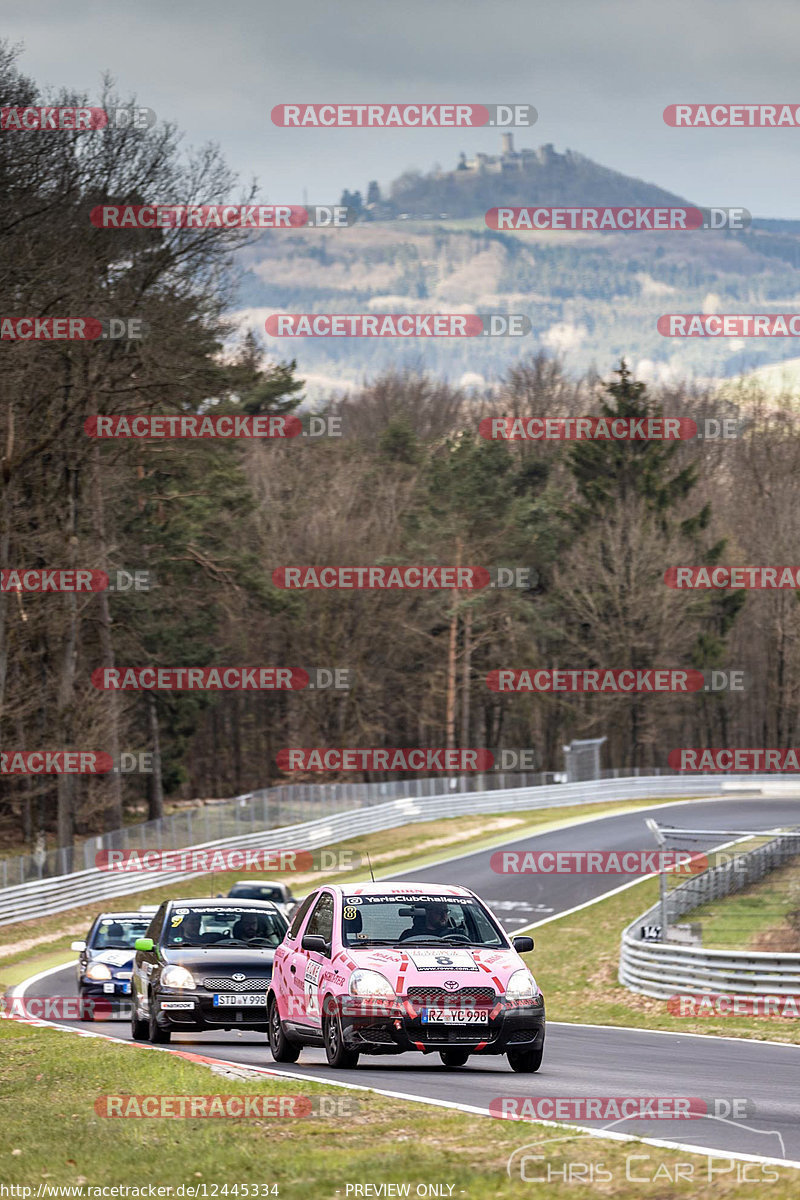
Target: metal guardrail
665,969
266,808
46,896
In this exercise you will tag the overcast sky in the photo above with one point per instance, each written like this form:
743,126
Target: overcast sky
599,72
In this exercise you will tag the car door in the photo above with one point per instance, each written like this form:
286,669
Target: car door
287,984
312,962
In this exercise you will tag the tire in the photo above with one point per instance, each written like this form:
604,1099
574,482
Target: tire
139,1027
87,1013
281,1049
454,1056
155,1034
335,1051
526,1061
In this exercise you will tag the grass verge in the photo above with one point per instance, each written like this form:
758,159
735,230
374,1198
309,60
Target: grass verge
52,1136
764,916
576,961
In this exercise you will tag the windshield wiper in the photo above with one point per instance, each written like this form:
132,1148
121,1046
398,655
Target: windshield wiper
449,941
371,942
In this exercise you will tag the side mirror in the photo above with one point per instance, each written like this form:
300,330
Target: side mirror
143,944
77,946
314,941
522,945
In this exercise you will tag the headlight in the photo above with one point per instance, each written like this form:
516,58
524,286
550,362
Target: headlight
521,986
97,971
177,977
370,983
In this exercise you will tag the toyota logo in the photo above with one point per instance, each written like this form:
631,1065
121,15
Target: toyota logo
238,978
451,984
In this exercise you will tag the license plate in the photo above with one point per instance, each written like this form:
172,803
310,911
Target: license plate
245,1000
455,1016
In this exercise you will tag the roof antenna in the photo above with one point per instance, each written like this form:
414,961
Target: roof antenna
369,860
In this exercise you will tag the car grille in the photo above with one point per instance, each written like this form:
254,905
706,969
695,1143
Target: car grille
523,1035
467,997
221,984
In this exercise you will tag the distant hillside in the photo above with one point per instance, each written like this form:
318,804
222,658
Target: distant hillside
591,297
540,176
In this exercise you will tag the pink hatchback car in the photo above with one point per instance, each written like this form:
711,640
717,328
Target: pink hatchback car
382,968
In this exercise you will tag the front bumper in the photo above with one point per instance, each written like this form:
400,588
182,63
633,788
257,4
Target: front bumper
103,1000
195,1009
400,1028
108,987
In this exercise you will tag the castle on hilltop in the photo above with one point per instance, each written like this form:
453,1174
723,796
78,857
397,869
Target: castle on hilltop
508,161
475,184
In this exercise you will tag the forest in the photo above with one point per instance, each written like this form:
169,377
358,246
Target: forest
410,480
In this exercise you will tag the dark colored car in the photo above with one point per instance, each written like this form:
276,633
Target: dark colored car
105,958
266,889
204,965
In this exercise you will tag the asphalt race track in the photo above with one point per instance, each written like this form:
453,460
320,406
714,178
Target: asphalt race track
580,1060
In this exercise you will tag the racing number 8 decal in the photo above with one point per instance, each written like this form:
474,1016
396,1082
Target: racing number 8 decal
443,960
350,912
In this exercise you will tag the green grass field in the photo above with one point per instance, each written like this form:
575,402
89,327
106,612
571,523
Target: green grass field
52,1135
763,916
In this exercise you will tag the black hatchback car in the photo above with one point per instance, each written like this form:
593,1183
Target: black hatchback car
204,965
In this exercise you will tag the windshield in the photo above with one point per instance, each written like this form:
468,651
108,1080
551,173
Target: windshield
119,933
253,891
223,927
418,921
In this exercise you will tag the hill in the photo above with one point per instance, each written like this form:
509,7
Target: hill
512,177
591,297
